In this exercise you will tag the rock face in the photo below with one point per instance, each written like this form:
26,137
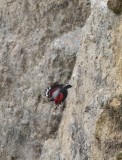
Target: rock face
115,5
68,41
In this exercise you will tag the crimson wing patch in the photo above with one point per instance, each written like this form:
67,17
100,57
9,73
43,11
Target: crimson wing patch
50,90
59,98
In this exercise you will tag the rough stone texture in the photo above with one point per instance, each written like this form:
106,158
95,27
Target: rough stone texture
115,5
46,41
108,131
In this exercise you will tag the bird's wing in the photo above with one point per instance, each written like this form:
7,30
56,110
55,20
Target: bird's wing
59,98
50,90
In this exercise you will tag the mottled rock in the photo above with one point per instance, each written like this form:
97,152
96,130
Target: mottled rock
109,128
115,5
76,41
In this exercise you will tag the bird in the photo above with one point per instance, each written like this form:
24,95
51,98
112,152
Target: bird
57,92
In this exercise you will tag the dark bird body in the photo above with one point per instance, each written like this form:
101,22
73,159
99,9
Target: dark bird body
57,93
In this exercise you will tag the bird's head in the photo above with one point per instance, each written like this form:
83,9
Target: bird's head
67,86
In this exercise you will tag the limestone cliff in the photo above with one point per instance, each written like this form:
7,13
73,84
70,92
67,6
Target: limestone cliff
76,41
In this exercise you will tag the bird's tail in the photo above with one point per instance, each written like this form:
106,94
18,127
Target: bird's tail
67,86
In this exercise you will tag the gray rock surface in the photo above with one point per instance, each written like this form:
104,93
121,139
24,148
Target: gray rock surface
68,41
